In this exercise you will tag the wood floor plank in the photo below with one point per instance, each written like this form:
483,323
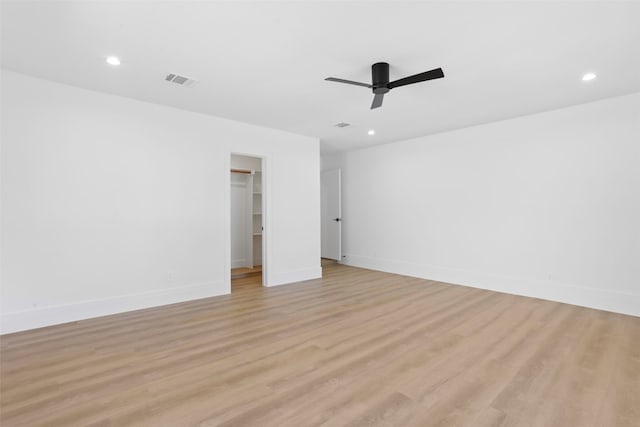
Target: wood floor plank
356,348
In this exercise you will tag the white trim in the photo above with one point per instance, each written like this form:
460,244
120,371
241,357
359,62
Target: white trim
286,277
598,298
227,223
266,217
52,315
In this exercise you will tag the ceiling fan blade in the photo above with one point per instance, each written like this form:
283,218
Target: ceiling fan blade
350,82
416,78
377,100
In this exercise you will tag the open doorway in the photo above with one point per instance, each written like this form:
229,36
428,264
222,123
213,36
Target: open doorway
247,223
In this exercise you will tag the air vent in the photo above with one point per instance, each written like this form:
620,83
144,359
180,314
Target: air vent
342,125
180,80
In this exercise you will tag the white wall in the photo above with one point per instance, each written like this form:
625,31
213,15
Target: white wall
546,205
111,204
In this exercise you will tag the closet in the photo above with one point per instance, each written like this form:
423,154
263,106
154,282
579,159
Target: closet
246,212
256,218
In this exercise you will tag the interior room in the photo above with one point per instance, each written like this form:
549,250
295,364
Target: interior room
348,213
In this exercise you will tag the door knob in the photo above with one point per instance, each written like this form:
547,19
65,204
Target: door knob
338,219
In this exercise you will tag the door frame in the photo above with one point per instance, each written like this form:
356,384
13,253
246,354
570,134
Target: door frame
266,224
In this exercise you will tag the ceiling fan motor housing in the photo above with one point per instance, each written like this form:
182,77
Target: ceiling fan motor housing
380,77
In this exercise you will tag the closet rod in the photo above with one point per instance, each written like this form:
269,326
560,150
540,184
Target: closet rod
241,171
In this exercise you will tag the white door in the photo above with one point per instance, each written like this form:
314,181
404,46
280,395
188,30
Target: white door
331,214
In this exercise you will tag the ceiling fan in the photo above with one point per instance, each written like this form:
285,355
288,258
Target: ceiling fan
380,83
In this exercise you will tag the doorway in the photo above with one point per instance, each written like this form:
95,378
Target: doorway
247,224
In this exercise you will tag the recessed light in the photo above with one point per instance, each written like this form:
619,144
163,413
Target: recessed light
588,76
371,132
113,60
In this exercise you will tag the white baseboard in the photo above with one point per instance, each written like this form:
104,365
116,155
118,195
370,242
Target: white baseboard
601,299
52,315
275,279
237,263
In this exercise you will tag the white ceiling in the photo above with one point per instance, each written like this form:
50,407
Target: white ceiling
264,62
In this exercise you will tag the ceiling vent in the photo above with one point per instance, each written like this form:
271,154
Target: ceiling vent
180,80
342,125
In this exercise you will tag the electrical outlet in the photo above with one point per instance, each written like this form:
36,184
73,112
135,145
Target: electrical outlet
171,276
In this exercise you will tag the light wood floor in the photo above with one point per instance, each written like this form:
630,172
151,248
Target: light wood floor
246,278
252,281
245,271
357,348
